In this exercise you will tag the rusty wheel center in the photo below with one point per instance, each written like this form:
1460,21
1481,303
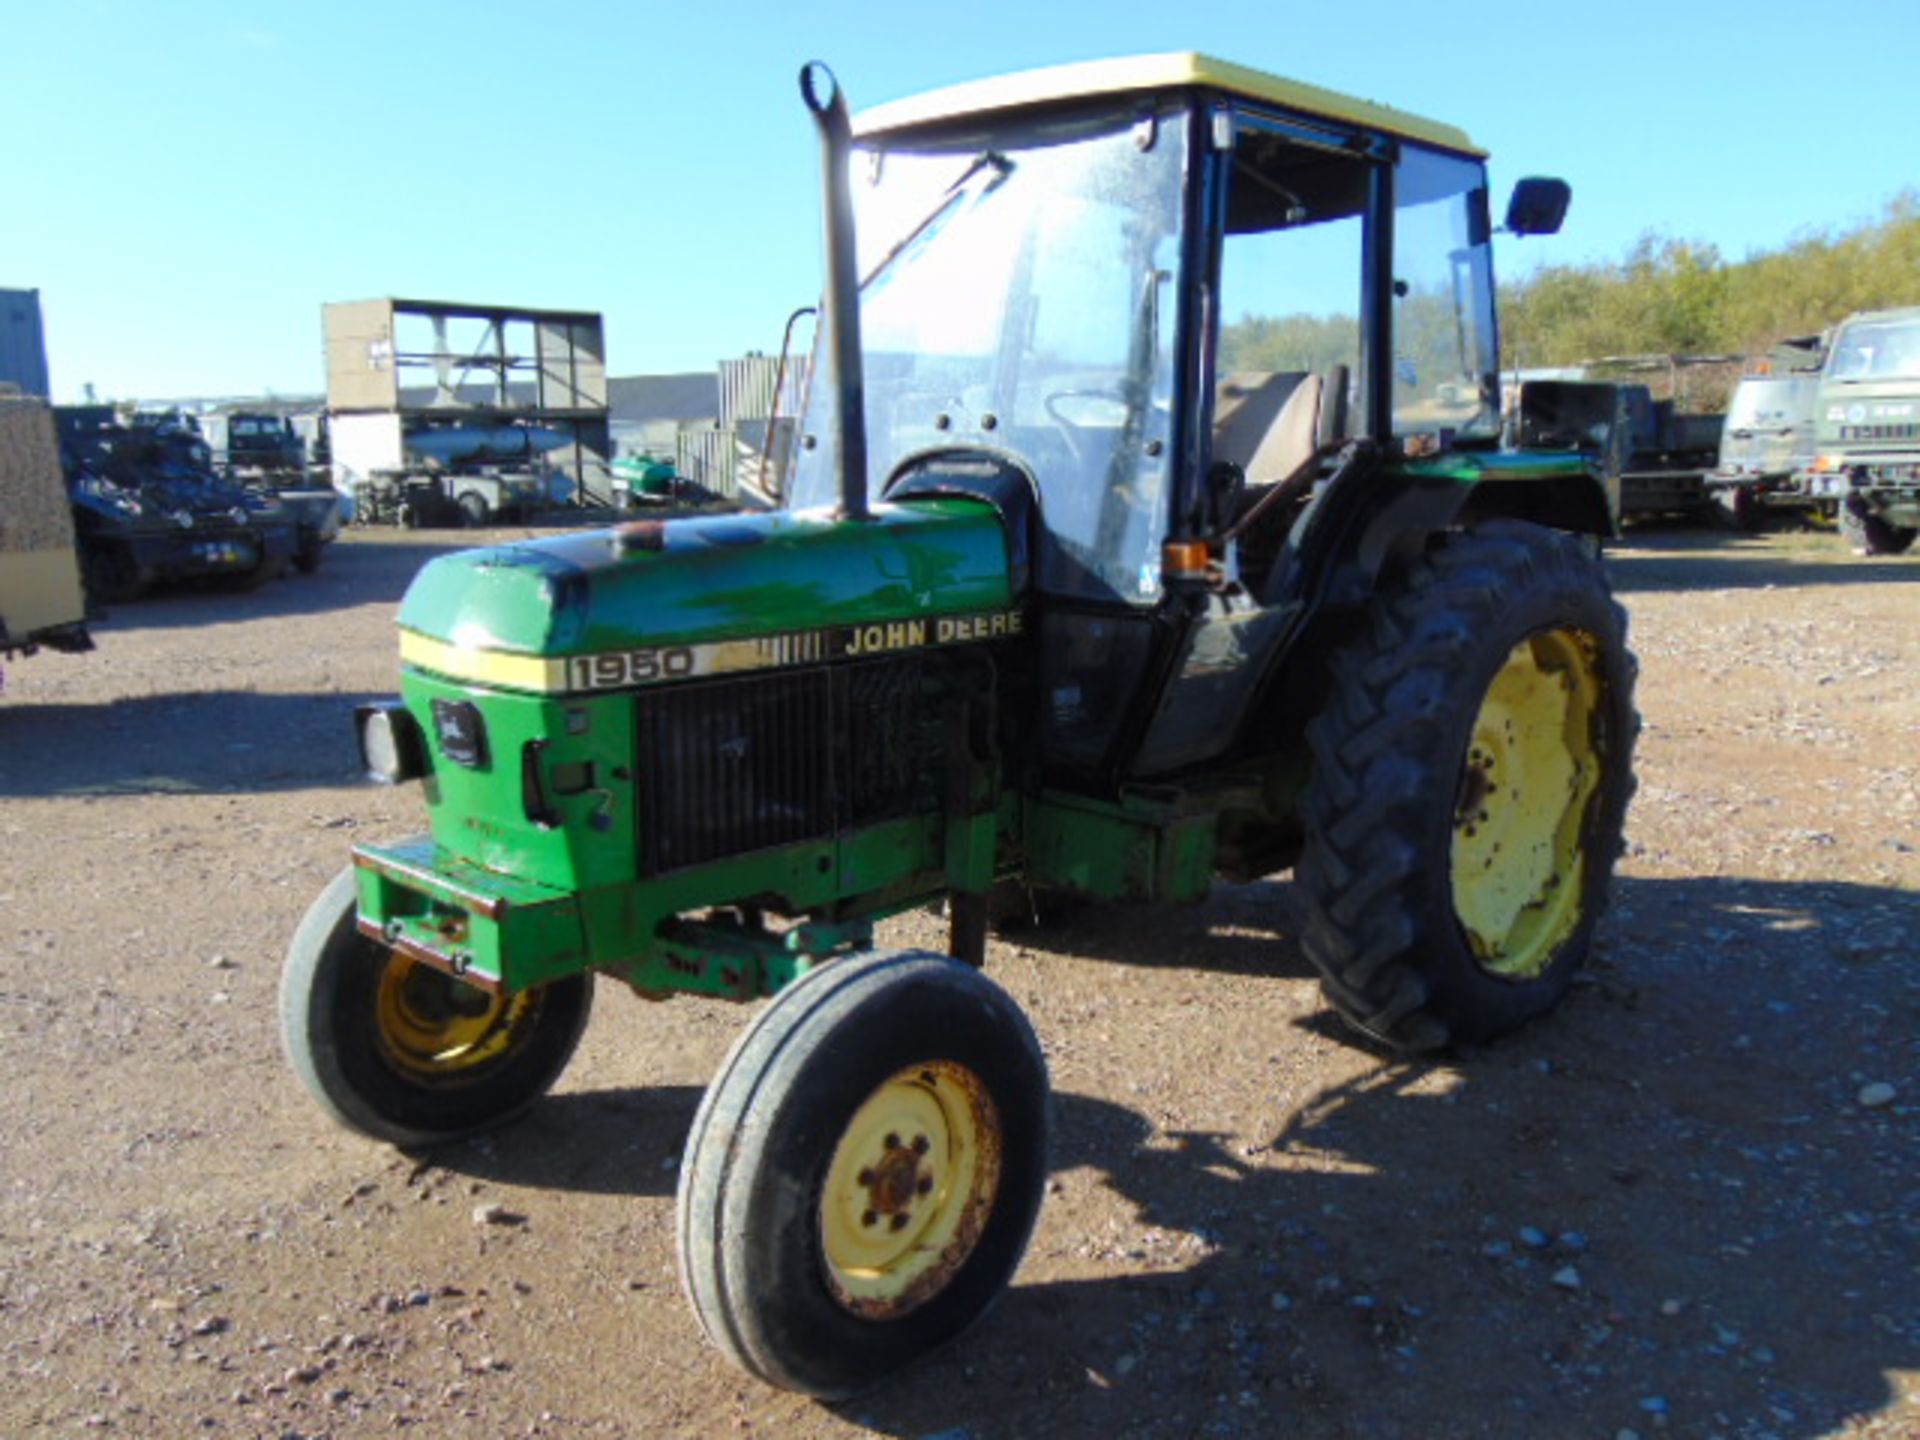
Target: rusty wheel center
909,1189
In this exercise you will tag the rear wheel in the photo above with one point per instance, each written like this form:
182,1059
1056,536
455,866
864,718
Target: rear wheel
405,1053
111,574
1871,534
474,510
1470,784
1736,507
864,1173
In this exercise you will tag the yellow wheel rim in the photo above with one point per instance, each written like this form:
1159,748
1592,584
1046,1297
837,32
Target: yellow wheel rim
434,1025
909,1189
1518,855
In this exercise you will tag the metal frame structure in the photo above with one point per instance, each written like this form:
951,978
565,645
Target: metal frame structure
560,381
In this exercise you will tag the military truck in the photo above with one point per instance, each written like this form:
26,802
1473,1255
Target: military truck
1059,605
41,601
1767,440
1867,434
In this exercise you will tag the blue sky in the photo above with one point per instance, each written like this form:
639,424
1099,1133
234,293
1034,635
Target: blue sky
187,183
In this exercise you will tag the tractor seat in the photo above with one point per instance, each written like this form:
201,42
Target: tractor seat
1266,422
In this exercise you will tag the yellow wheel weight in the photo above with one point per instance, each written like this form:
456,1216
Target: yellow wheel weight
1518,859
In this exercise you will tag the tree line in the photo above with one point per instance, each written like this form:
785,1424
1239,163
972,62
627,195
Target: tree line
1665,297
1680,297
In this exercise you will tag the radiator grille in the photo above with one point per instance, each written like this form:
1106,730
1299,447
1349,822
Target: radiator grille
736,766
1880,432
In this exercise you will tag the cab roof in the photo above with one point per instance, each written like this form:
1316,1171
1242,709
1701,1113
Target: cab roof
1146,74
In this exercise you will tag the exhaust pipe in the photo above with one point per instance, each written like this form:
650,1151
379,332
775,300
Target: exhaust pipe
841,302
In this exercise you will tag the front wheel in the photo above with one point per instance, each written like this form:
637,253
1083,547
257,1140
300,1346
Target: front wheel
402,1052
863,1176
1471,773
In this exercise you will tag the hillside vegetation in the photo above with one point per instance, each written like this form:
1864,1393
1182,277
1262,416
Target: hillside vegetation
1667,297
1681,298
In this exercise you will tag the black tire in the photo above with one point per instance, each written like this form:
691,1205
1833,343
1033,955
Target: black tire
1736,507
766,1167
1404,760
335,992
474,510
111,574
308,557
269,568
1872,534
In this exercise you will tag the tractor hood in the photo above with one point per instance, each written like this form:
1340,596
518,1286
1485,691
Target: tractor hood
540,615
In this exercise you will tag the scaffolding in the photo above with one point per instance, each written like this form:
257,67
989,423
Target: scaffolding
398,367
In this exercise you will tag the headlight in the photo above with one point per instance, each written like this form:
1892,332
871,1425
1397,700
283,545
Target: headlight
391,745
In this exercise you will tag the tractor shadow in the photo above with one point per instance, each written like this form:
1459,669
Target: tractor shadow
597,1142
357,569
207,742
1662,1204
1725,1236
1250,929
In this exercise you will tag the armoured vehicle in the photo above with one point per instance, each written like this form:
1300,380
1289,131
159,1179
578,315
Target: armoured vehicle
1867,432
1150,524
265,452
41,602
148,508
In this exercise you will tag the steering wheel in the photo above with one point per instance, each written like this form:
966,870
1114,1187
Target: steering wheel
1069,427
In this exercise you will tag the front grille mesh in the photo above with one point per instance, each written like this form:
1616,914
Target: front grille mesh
734,766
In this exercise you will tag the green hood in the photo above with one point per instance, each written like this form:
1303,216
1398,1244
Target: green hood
713,578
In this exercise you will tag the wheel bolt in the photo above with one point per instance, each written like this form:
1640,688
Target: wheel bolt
921,1145
925,1187
868,1218
892,1142
899,1221
863,1179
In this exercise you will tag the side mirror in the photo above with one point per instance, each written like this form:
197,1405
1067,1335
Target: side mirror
1538,206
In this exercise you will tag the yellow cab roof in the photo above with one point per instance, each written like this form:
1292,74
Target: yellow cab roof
1142,74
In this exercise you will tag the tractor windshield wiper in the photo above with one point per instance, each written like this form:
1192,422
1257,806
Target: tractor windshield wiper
992,160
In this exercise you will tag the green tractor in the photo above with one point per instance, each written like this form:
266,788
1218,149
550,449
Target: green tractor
1149,525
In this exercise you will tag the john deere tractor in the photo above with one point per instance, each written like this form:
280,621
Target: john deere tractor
1149,525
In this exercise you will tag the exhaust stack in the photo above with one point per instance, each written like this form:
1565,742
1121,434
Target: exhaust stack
841,302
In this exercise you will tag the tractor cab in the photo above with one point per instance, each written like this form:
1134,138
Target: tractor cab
1150,308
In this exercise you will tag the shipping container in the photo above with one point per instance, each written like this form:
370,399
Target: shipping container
23,343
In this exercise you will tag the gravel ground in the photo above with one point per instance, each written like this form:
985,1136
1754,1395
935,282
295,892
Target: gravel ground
1687,1204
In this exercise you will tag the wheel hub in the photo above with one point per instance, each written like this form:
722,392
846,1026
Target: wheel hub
909,1189
431,1024
1533,763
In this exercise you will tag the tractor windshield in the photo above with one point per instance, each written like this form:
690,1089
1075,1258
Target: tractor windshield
1018,297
